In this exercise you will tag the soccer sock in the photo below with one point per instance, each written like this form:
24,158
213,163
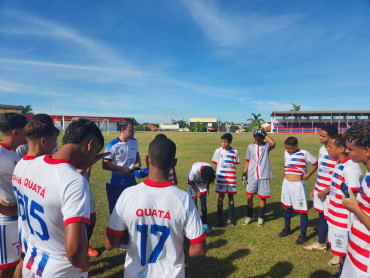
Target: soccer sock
287,217
231,210
304,223
249,211
89,231
219,211
323,228
203,208
262,212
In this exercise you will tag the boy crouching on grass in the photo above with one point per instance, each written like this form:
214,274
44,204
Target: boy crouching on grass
259,168
293,192
226,158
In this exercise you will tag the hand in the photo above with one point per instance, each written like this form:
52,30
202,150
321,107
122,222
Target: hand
350,203
245,179
5,204
322,195
199,194
305,177
312,194
207,192
263,132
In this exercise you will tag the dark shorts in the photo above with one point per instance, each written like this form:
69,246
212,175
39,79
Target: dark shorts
113,193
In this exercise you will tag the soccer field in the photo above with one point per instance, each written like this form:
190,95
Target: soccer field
240,251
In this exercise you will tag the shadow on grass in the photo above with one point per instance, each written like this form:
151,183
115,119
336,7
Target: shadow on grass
216,244
109,262
279,270
213,267
320,274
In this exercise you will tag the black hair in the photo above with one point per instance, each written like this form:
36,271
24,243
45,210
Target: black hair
124,123
78,130
162,152
10,121
227,136
291,141
330,129
160,136
208,174
339,140
37,129
44,118
359,135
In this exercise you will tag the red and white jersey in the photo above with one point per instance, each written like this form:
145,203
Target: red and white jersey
157,216
326,166
349,173
296,163
54,195
171,177
359,238
194,173
8,160
259,163
226,161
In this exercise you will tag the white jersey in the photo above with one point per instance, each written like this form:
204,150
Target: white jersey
259,163
326,166
296,163
157,216
8,160
194,176
22,150
226,161
359,238
54,195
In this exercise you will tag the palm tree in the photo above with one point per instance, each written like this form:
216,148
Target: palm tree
26,110
256,119
296,107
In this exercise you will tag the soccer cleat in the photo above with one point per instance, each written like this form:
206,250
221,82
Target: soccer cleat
231,221
247,221
316,247
220,223
207,228
334,262
301,239
285,232
92,252
260,222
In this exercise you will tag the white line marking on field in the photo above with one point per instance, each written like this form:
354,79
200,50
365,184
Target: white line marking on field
190,140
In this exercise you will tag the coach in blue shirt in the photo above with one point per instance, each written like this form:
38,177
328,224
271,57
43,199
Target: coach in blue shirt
124,158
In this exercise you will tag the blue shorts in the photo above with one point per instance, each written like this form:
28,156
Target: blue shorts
113,193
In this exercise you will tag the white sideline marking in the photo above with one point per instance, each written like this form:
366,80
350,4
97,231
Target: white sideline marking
189,140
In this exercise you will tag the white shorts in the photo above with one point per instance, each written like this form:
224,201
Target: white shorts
338,240
202,189
260,186
293,195
320,205
226,188
349,270
9,245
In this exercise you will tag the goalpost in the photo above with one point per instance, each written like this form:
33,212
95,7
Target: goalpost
102,124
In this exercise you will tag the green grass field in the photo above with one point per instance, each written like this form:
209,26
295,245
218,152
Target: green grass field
240,251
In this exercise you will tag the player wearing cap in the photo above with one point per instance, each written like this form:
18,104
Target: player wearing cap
349,173
12,128
226,158
57,205
157,216
259,169
124,158
319,196
293,192
357,263
200,176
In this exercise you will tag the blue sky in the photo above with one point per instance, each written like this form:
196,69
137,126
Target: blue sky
195,58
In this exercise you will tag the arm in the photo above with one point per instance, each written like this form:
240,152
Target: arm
108,165
77,245
195,188
246,167
137,162
271,142
196,250
353,206
112,241
313,169
8,209
322,194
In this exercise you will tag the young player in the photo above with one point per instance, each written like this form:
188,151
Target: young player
225,158
349,173
293,192
319,196
200,176
157,216
12,128
57,204
124,158
259,168
173,177
357,263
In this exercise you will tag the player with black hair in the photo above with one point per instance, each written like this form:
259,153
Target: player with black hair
173,177
12,127
200,176
52,186
293,192
226,158
259,169
318,194
157,216
357,262
345,172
